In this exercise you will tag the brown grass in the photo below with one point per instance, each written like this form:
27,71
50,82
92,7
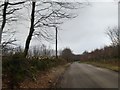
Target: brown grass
112,64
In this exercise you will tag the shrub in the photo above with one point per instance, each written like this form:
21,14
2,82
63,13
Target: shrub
16,68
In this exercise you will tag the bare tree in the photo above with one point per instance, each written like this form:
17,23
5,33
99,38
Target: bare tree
114,35
31,29
3,17
7,12
46,15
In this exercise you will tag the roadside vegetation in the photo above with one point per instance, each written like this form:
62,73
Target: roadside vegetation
109,64
103,58
41,19
17,68
107,57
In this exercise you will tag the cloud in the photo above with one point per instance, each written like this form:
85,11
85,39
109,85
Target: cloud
87,31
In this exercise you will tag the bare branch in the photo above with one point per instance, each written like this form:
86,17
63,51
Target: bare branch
114,34
10,42
17,3
12,11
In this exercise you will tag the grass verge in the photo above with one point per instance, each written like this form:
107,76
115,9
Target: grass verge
109,64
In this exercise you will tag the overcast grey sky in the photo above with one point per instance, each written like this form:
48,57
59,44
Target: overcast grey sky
86,32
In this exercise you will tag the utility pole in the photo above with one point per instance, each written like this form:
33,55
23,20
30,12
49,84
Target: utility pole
56,41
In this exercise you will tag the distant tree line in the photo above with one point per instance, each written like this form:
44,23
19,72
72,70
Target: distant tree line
105,53
108,52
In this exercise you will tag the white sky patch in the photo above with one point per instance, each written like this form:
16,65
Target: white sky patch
84,0
68,0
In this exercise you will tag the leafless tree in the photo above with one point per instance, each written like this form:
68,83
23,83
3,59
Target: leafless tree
31,28
46,15
114,35
7,10
6,15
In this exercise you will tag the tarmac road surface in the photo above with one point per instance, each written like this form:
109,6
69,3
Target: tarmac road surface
80,75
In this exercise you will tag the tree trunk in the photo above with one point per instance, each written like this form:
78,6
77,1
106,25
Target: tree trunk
31,30
1,30
4,20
